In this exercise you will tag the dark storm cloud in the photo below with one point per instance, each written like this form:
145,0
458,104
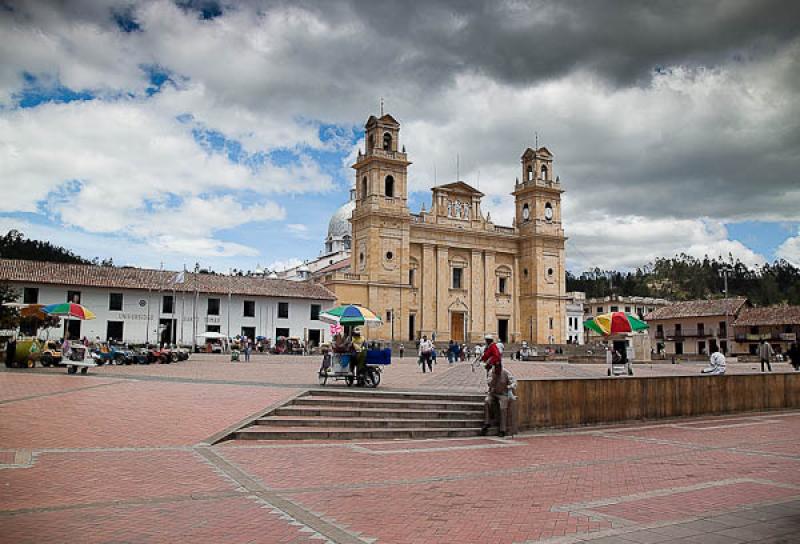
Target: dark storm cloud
525,42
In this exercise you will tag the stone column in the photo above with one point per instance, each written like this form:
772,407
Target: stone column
516,324
442,286
490,323
427,279
476,303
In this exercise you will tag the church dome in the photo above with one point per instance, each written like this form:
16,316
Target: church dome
339,226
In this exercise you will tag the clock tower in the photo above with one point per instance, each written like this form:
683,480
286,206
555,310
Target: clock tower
541,249
381,217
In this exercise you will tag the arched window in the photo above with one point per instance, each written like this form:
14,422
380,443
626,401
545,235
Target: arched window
370,142
389,189
530,173
544,172
387,142
347,242
364,187
328,247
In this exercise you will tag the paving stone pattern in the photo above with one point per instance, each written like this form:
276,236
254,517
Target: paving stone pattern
122,456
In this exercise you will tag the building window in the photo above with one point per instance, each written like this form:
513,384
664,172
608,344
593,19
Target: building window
387,142
544,172
388,316
389,255
526,212
412,276
249,332
678,348
723,329
249,309
599,310
364,187
281,332
315,310
74,296
389,186
115,302
458,274
614,309
530,173
627,309
30,295
501,285
168,304
551,323
347,242
213,328
283,310
114,331
213,308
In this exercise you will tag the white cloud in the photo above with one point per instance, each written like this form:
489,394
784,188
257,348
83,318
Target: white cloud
284,264
626,242
790,250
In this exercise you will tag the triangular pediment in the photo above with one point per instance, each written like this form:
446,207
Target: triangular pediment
459,187
543,151
529,153
388,119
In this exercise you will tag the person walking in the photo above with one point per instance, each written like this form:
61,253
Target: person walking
247,348
765,353
402,349
452,352
491,353
426,354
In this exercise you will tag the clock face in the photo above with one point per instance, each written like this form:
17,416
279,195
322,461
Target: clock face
548,212
526,212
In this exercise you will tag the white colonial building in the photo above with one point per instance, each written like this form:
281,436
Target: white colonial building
142,306
575,312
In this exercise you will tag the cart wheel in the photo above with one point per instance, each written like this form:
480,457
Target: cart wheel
47,359
72,369
349,381
609,372
372,378
84,370
323,378
630,371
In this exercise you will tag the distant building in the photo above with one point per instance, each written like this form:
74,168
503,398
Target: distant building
575,317
779,325
140,305
694,327
336,247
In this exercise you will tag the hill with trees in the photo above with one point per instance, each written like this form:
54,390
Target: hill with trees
684,277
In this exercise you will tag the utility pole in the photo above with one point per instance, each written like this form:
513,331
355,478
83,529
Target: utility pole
724,273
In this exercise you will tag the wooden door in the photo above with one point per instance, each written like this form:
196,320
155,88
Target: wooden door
457,327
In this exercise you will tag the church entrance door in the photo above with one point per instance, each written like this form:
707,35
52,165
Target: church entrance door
457,327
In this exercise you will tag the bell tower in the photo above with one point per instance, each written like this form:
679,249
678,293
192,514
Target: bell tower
381,218
541,249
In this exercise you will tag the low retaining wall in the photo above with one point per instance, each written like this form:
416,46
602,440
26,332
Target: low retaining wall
586,401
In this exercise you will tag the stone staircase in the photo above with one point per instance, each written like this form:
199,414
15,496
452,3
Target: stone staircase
344,414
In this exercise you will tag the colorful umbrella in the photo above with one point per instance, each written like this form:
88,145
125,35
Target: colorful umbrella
68,310
351,315
615,323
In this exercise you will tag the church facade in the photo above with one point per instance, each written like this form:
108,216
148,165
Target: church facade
450,272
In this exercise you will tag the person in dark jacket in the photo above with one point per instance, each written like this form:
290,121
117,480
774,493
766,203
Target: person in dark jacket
794,356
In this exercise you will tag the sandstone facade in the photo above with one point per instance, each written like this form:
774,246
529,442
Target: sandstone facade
450,271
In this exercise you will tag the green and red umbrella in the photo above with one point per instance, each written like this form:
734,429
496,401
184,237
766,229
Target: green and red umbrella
69,310
351,315
615,323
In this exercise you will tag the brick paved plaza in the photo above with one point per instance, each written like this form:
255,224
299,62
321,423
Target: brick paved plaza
123,455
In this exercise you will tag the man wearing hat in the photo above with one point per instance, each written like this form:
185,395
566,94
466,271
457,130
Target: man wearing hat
501,384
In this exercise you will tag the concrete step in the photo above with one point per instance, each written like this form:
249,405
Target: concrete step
324,410
395,395
366,422
261,432
397,404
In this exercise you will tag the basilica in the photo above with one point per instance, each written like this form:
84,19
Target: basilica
447,272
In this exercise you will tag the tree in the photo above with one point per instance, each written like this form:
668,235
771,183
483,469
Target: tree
9,317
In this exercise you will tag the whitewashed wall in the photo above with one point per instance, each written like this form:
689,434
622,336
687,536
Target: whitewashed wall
141,312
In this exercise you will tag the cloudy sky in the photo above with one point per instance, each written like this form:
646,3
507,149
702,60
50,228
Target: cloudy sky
178,131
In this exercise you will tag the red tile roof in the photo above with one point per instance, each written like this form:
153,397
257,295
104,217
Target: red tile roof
698,308
87,275
771,315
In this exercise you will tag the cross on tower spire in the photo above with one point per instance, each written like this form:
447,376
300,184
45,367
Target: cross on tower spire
381,106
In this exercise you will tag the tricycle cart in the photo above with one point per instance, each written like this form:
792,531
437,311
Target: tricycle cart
339,368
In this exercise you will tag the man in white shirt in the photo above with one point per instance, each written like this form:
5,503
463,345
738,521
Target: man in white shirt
716,364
